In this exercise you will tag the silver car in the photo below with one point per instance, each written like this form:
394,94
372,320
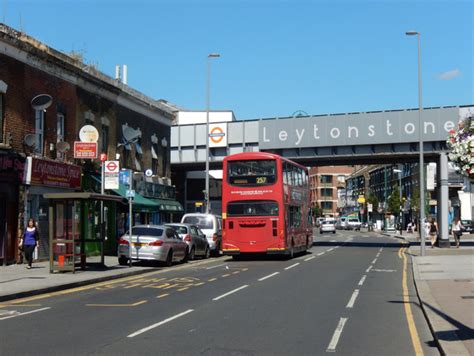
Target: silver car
152,242
194,237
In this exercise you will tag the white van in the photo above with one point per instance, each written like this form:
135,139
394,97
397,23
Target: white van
211,225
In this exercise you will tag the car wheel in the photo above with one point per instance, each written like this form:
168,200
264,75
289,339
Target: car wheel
208,253
186,256
123,261
169,259
334,232
192,254
320,231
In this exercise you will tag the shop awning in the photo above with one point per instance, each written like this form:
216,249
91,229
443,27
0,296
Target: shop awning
140,203
169,206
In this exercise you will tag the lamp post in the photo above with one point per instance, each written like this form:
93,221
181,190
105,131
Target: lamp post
399,171
421,163
206,192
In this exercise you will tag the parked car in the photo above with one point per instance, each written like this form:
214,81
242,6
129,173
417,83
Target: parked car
194,237
211,225
319,221
328,226
468,226
152,242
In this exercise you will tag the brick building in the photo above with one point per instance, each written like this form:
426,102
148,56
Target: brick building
327,186
37,136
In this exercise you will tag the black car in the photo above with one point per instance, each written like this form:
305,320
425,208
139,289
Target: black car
468,226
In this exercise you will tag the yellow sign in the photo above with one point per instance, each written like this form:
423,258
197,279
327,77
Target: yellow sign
198,203
361,199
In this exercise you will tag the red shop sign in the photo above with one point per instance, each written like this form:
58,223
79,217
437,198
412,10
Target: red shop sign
53,174
85,150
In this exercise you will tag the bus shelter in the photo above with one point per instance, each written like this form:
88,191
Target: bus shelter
69,214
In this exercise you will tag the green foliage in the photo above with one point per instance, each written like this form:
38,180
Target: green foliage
372,199
317,211
394,201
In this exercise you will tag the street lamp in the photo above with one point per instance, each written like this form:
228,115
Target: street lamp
421,163
399,171
206,192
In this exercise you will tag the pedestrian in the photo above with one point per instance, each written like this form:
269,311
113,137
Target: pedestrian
433,231
30,239
456,228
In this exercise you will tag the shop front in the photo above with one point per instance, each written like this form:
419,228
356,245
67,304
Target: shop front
46,177
11,176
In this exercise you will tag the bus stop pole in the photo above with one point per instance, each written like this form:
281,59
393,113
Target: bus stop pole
102,227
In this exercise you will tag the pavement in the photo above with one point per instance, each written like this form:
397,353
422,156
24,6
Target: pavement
444,280
16,281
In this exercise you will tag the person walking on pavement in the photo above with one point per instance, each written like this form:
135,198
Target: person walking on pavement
456,228
433,226
30,240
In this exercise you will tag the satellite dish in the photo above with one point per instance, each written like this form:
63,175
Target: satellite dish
129,134
63,146
30,140
41,102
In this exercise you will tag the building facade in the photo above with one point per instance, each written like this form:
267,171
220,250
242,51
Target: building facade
46,97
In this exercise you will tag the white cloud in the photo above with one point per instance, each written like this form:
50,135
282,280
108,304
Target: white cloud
450,74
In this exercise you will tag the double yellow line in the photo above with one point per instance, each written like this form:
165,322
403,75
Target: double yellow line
406,302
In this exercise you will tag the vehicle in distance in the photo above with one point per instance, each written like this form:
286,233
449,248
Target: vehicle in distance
341,223
468,226
154,243
265,205
327,226
210,225
353,224
194,237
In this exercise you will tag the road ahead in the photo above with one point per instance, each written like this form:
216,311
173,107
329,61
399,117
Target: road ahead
353,294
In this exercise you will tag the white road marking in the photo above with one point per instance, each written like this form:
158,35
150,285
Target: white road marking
223,264
290,267
141,331
229,293
353,299
337,246
375,260
321,253
309,258
337,335
362,280
384,270
332,240
381,249
25,313
269,276
330,249
368,269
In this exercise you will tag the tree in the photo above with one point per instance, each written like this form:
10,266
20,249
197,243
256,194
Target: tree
372,199
394,201
317,211
415,201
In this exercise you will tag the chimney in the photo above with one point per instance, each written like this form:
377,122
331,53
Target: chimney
124,79
117,72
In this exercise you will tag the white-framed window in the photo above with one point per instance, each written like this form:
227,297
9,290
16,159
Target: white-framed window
39,131
60,133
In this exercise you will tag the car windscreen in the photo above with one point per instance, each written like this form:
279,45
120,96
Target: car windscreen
147,231
251,172
252,208
202,222
179,229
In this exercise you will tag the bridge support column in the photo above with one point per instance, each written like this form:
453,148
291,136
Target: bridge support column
443,203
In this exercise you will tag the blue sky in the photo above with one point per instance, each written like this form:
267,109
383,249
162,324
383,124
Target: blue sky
277,57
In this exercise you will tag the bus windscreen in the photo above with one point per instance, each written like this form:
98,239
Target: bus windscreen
252,208
257,172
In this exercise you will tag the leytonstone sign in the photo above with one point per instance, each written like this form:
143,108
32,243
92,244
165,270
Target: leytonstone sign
357,129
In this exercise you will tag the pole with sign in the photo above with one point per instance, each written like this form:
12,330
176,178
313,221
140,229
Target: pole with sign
103,158
127,179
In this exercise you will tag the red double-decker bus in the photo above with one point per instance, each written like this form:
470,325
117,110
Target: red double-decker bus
265,205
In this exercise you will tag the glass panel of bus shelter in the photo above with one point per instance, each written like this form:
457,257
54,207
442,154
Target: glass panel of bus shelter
252,172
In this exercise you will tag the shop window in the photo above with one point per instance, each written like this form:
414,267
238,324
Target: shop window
104,139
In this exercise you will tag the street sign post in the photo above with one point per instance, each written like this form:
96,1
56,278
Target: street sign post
111,174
